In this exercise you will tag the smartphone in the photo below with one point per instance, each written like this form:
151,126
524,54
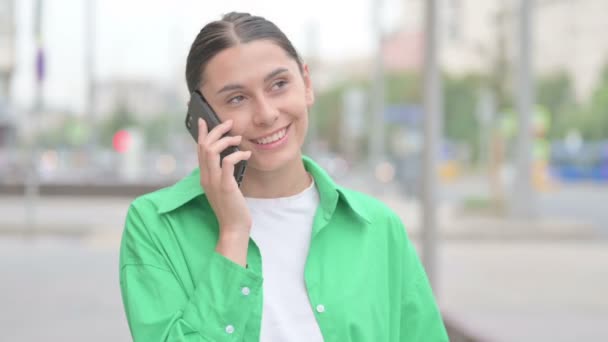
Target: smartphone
200,108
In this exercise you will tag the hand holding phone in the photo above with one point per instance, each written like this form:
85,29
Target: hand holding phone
214,146
199,108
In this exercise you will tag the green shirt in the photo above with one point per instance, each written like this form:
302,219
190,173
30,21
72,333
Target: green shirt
363,276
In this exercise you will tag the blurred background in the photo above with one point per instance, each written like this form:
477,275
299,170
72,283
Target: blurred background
484,124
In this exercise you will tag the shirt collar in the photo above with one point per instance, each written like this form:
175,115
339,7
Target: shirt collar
330,192
189,188
181,192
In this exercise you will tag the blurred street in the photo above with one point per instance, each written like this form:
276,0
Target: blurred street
545,285
60,289
579,202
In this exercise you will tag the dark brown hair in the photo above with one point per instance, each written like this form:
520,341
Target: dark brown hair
234,28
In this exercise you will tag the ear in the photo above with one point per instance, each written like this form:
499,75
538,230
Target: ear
309,91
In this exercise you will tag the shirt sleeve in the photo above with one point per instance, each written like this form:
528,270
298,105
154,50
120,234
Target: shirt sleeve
157,306
420,316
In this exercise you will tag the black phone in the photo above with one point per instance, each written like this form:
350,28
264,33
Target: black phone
200,108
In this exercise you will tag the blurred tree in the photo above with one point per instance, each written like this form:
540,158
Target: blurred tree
160,128
595,115
554,92
328,111
327,115
460,101
499,65
121,118
403,88
72,132
460,123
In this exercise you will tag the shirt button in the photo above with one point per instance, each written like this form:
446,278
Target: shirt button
229,329
320,308
245,291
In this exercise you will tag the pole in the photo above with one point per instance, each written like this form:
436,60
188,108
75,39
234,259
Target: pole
523,199
7,51
432,111
90,75
32,191
377,124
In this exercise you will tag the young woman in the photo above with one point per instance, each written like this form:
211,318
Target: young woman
289,255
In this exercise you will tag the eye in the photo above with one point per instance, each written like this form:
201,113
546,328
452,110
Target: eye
279,84
236,99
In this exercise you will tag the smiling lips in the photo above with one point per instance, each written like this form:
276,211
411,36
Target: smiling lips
272,138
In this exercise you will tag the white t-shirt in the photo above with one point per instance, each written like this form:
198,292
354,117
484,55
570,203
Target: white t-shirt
282,229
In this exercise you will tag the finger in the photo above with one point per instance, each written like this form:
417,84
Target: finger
208,161
202,167
228,164
202,130
211,163
205,162
224,143
219,131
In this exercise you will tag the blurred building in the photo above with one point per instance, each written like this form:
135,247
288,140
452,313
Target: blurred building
142,98
330,73
403,50
571,36
475,34
7,66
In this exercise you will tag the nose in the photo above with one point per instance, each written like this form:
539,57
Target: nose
265,112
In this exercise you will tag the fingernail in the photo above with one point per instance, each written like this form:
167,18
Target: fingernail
200,121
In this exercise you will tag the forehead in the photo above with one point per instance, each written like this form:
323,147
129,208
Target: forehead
245,63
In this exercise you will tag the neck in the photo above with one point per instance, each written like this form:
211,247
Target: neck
287,181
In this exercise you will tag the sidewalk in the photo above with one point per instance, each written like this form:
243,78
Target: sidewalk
546,286
457,226
64,216
525,291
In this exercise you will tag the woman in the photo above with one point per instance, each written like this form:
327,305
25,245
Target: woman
288,256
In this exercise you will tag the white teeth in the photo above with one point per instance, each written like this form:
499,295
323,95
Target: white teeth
272,138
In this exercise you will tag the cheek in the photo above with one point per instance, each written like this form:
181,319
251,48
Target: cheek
240,121
239,127
303,124
295,104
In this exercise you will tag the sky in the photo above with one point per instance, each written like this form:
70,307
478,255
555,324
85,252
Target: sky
149,40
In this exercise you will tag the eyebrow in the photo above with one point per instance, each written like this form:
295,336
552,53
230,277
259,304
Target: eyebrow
274,73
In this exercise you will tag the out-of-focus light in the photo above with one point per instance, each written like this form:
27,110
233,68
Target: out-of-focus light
385,172
121,141
166,164
49,160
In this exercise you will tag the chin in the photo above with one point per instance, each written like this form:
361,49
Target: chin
272,161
